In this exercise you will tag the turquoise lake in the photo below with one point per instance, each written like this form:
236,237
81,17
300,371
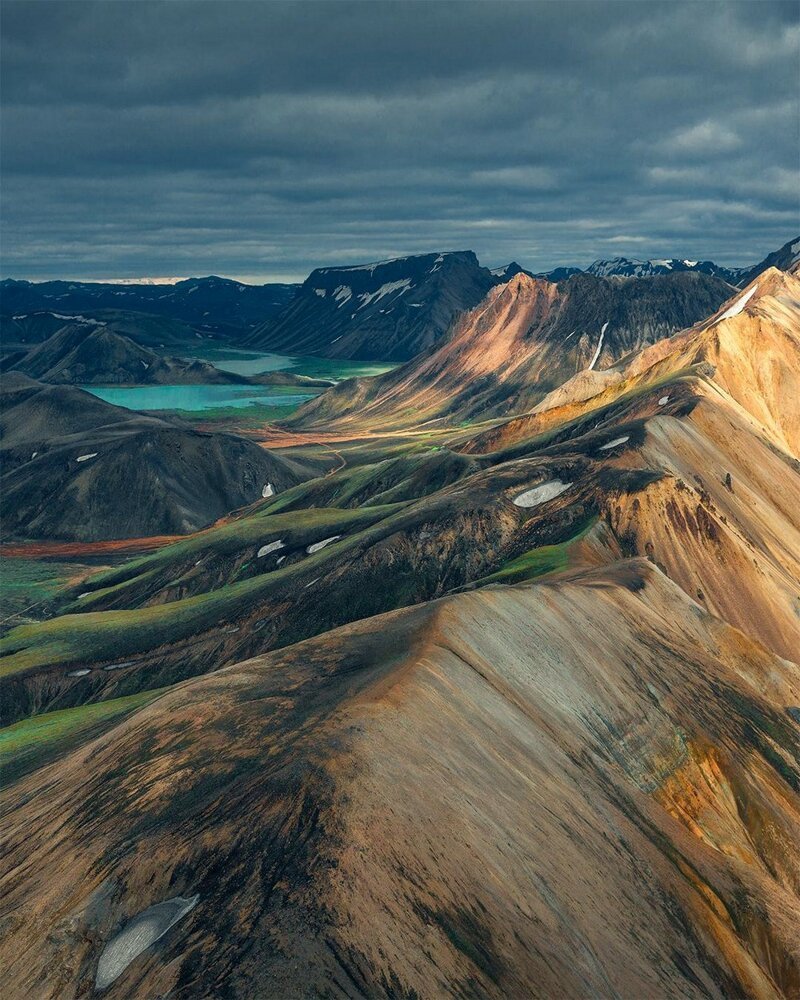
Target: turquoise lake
194,397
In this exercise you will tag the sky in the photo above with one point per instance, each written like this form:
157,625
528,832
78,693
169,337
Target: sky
259,140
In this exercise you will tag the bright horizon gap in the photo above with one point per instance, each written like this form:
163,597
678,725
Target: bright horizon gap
298,278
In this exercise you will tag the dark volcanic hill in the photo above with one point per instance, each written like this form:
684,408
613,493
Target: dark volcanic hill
387,311
86,354
75,467
212,304
523,340
783,259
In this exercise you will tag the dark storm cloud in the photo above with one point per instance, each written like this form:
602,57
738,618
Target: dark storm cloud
265,139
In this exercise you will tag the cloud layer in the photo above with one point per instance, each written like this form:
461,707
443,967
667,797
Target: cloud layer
264,139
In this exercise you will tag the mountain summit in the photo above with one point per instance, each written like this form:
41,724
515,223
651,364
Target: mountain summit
386,311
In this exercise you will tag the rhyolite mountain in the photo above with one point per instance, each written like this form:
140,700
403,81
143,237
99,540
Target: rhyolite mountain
387,311
524,339
212,305
76,467
563,761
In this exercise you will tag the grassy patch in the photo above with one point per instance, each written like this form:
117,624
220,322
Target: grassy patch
339,370
25,583
537,562
255,415
267,524
96,636
33,742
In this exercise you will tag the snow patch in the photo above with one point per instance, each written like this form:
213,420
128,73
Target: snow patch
138,935
599,346
268,491
310,549
321,292
78,319
663,401
269,547
739,304
342,294
79,673
614,443
388,289
541,494
85,458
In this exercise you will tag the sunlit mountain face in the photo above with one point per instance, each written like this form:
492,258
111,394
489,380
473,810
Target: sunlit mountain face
404,602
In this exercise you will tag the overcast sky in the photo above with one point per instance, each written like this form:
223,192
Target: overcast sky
260,140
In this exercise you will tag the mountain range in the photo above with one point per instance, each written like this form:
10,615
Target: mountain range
386,311
494,694
212,305
524,339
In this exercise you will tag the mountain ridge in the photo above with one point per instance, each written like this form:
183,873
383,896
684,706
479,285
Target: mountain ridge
386,311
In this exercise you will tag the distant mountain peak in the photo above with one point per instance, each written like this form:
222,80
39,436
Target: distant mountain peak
384,310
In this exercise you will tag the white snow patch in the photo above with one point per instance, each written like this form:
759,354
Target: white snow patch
268,491
322,292
310,549
270,547
79,673
144,363
315,580
739,304
690,263
34,454
663,401
599,346
342,294
138,935
541,494
78,319
614,443
388,289
280,560
85,458
337,338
